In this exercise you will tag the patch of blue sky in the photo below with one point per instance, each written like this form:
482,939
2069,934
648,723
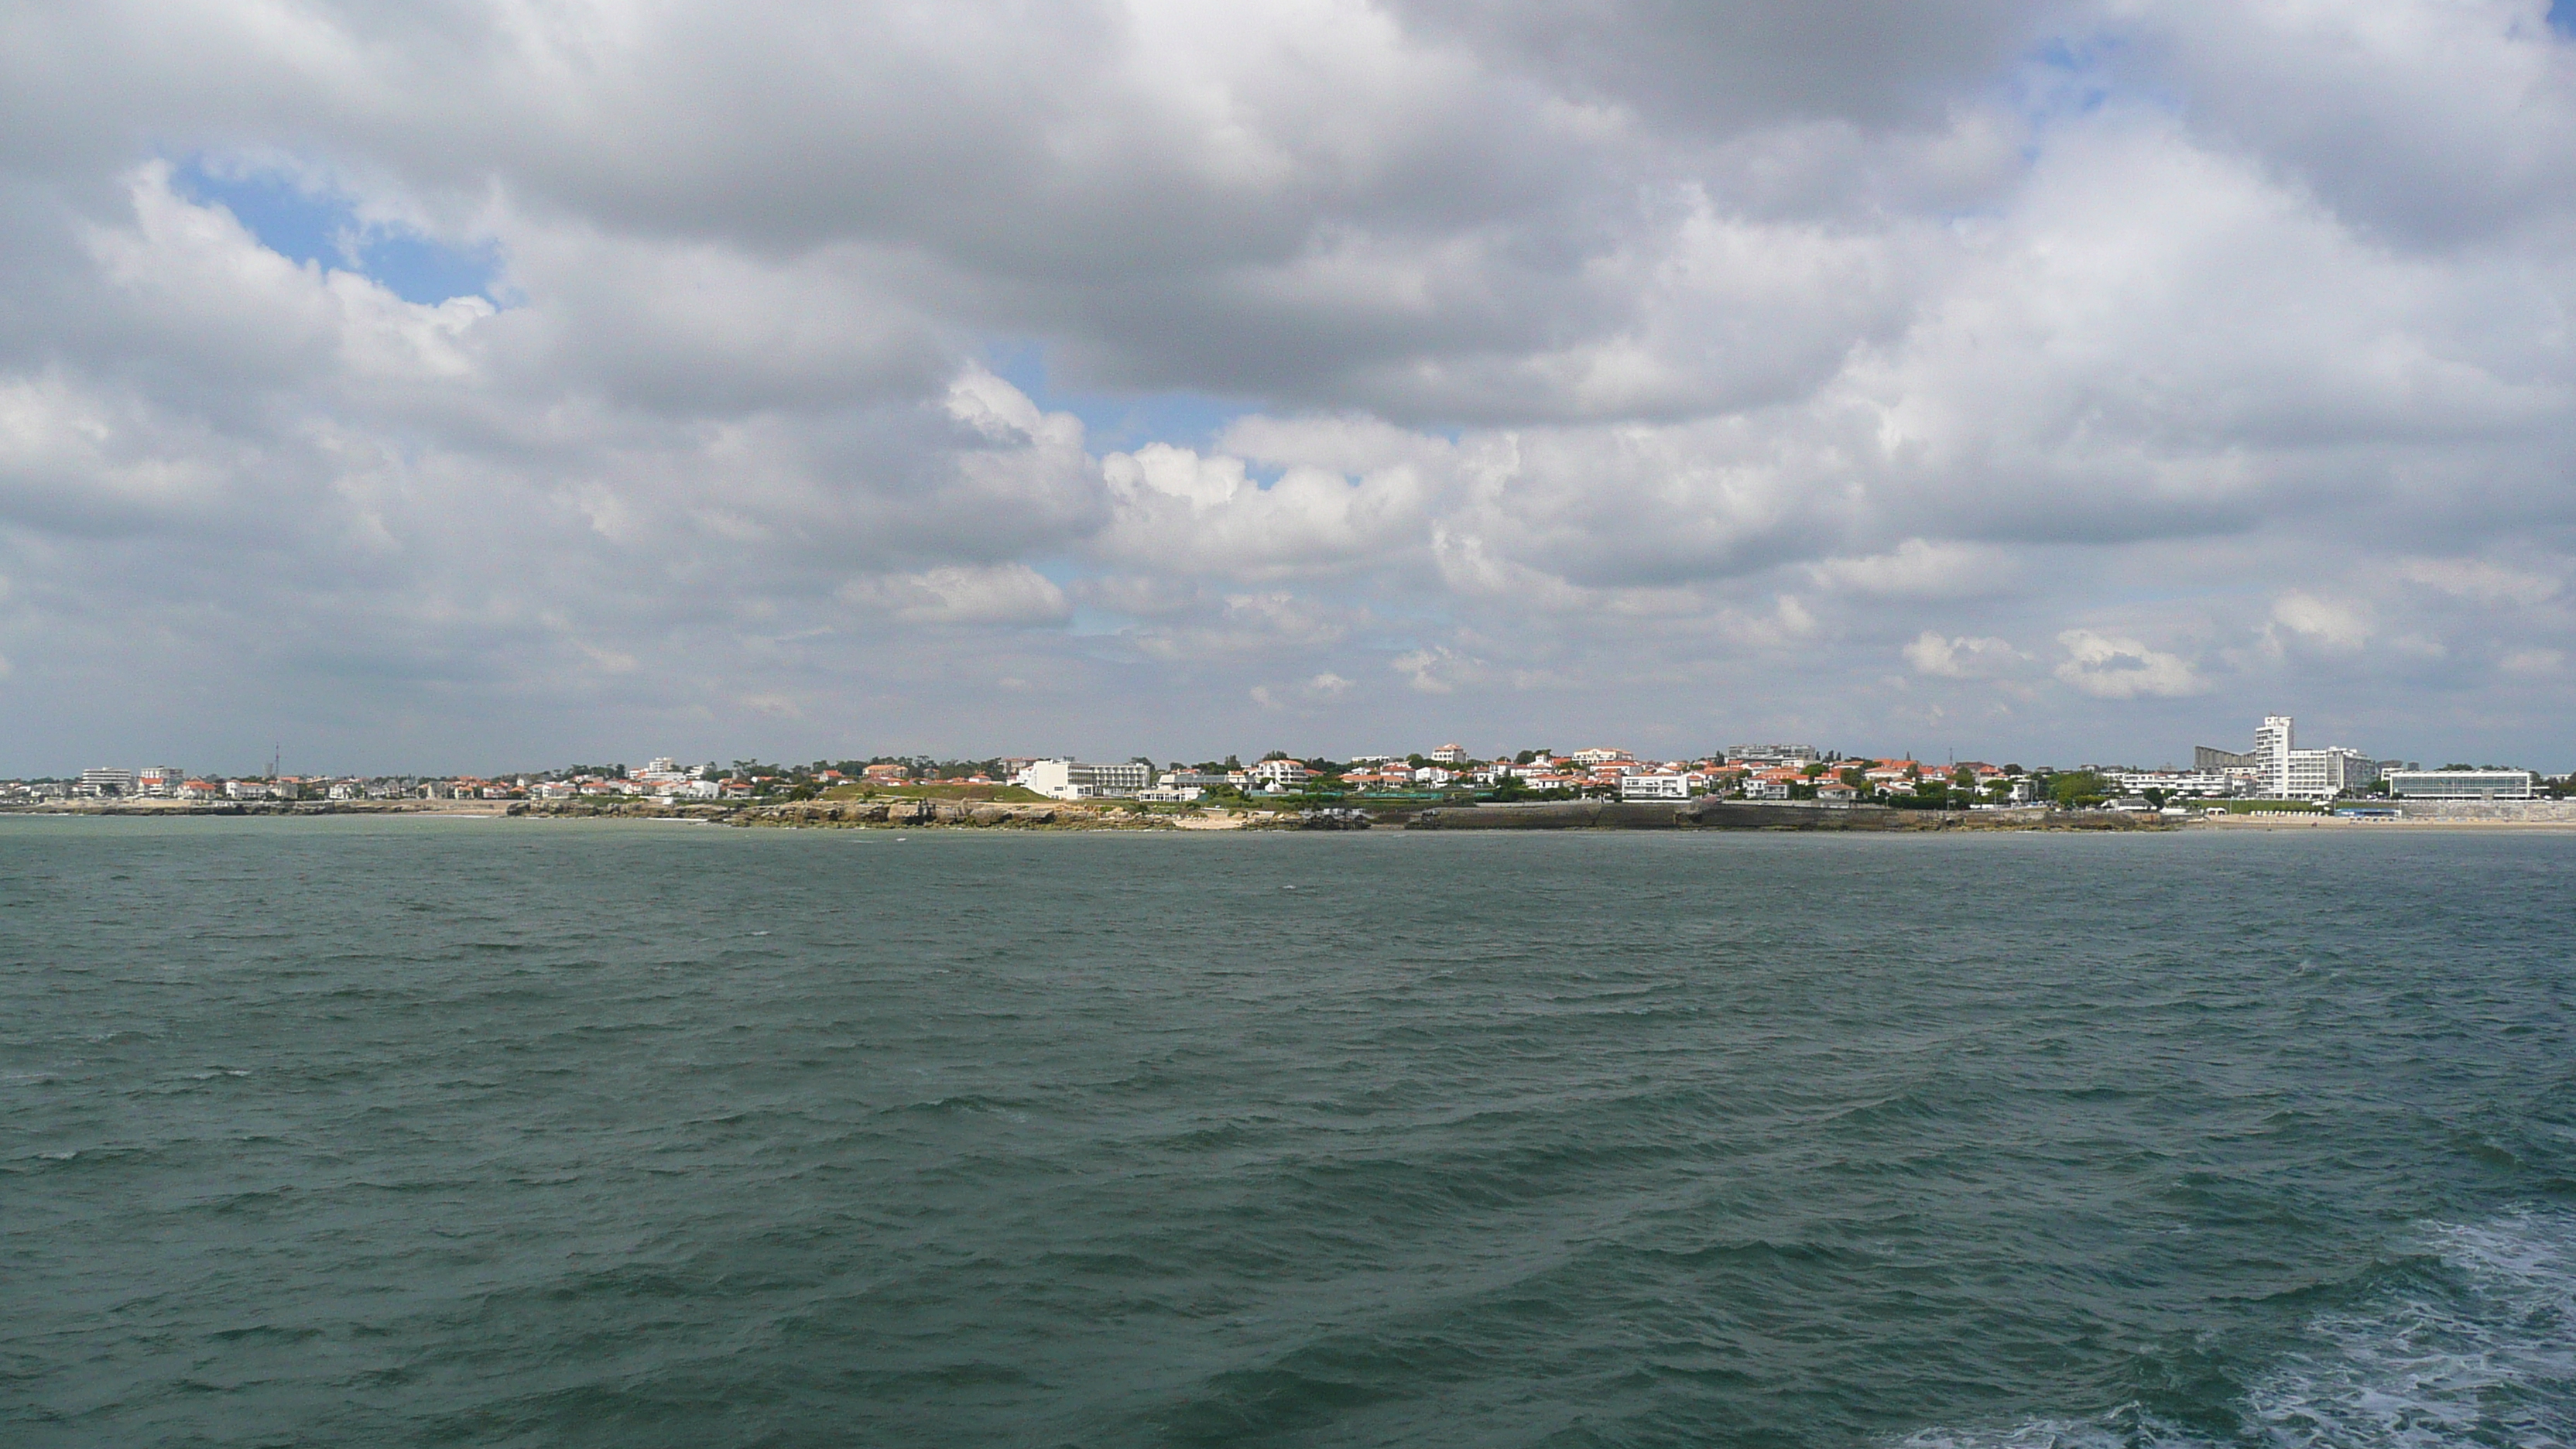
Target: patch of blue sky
1117,422
2562,16
2069,76
305,223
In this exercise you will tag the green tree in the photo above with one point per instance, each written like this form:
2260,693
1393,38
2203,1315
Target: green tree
2076,787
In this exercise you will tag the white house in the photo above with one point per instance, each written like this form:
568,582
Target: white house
1656,786
1074,780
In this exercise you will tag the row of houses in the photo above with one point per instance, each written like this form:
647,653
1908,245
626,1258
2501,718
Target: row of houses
1756,772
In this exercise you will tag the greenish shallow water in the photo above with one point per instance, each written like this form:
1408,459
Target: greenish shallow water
437,1131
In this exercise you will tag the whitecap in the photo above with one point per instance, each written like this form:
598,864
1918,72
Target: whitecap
2126,1427
2490,1359
2487,1358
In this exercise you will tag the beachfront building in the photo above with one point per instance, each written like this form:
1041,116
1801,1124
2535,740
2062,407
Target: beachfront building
2283,771
2460,784
103,780
2205,783
1075,780
1657,785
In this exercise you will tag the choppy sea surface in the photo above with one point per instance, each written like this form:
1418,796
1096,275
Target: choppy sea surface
411,1131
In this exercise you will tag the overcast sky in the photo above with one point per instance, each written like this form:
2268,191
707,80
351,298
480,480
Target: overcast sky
432,384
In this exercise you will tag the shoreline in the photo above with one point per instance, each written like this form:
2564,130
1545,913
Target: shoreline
909,813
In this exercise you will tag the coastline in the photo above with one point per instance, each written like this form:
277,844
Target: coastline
892,813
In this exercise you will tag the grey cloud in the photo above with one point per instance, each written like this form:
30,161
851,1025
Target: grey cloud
1755,62
1599,356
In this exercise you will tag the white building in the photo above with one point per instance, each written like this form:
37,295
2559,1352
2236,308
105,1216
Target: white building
1766,789
1074,780
160,781
1170,794
2460,784
1656,786
1449,754
1280,774
106,780
2283,771
663,770
2175,782
1601,755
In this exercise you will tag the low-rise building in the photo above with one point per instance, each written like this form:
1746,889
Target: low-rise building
1772,754
1076,780
2460,784
2175,782
1449,754
1656,785
1280,774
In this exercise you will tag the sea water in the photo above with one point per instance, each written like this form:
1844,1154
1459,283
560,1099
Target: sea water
350,1131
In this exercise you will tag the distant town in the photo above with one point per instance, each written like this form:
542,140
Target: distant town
2275,770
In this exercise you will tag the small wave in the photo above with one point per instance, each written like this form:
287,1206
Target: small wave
2492,1360
2126,1427
2480,1352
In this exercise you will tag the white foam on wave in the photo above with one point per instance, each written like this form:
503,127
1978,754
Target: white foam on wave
2492,1361
2126,1427
2486,1359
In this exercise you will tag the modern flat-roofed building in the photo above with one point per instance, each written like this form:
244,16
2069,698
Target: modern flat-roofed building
1074,780
1772,754
2174,782
106,780
1643,786
2460,784
2286,772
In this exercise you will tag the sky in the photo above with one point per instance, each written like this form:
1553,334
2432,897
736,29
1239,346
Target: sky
444,385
